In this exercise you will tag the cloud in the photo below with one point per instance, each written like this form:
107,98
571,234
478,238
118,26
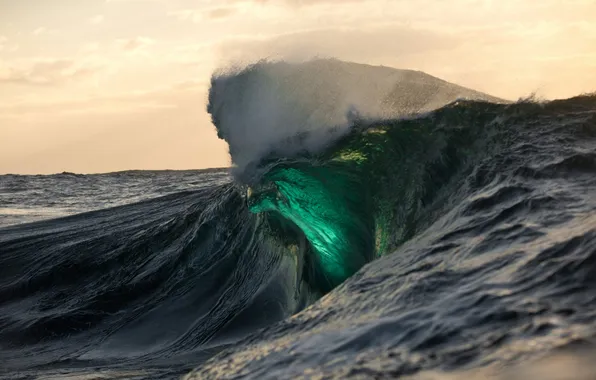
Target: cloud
187,15
136,44
97,19
38,31
219,13
41,31
192,54
347,43
89,48
5,46
198,15
46,72
184,93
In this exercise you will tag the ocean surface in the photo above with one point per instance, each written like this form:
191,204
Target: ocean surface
457,242
31,198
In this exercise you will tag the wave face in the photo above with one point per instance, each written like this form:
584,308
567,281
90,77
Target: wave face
484,217
462,238
277,119
374,190
152,281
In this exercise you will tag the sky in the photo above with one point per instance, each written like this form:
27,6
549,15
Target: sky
94,86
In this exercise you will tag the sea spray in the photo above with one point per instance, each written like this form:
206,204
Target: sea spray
293,108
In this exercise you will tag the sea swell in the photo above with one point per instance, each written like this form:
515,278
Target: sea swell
460,238
493,242
143,281
376,187
311,147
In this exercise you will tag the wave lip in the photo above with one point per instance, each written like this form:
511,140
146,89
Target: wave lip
259,108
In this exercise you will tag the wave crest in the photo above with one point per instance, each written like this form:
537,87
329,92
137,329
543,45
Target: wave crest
290,108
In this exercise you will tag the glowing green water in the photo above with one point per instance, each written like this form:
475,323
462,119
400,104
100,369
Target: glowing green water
369,193
328,207
330,199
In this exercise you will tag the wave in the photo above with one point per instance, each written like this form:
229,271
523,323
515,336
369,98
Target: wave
303,136
303,107
143,280
434,238
482,214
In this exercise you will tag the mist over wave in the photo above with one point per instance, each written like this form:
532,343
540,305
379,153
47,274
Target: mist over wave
291,108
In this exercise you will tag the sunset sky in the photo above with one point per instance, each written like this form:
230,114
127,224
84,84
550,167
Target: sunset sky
104,85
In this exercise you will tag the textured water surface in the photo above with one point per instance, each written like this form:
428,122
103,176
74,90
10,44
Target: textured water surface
29,198
459,243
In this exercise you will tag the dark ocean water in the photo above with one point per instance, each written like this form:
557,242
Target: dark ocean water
25,199
458,243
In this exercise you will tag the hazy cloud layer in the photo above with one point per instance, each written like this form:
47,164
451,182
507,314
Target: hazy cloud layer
200,15
41,31
46,72
348,43
134,44
97,19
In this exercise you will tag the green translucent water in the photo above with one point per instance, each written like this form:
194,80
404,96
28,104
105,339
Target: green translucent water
326,205
367,194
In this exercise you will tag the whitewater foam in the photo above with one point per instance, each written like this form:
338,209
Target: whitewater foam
291,108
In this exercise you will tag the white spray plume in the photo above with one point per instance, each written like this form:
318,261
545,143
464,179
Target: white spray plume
261,108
